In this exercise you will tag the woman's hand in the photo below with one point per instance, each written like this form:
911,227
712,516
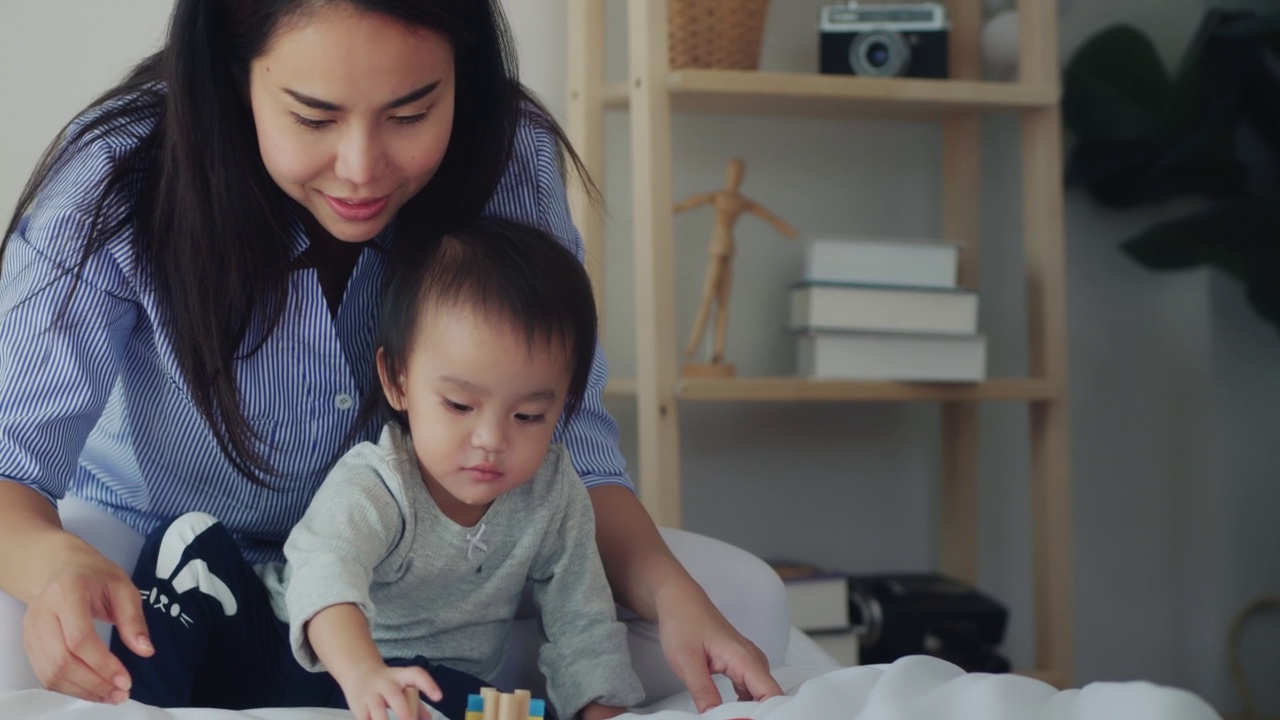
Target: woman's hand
58,634
696,639
698,642
596,711
370,693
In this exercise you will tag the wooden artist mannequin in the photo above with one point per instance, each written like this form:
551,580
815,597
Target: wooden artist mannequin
729,205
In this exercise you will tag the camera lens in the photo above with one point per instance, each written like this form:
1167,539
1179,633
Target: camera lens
879,53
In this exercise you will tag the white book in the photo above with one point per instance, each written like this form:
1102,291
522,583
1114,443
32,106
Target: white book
818,597
882,261
906,357
841,646
819,604
870,308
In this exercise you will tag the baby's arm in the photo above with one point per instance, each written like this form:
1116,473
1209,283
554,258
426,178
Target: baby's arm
351,526
340,636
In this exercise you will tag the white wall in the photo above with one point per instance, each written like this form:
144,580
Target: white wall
1171,376
55,57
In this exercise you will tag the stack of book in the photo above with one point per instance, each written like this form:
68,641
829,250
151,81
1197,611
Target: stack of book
872,309
819,601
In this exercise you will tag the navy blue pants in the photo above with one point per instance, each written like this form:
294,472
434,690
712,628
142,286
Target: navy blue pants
218,644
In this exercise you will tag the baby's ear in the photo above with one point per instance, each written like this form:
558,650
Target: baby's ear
392,390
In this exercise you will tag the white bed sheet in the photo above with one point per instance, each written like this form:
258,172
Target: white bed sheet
914,688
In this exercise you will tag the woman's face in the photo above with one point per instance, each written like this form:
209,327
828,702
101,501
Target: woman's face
353,111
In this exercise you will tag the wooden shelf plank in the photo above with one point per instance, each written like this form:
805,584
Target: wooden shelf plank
793,389
750,92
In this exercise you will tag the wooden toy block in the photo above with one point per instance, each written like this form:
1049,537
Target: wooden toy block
491,704
522,703
411,696
490,696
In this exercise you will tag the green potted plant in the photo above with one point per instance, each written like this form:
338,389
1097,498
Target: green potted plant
1210,129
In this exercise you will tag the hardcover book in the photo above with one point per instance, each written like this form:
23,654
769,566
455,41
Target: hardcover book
885,356
877,308
882,261
842,646
819,598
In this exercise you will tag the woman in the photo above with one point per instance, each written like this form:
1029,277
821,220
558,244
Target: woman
188,290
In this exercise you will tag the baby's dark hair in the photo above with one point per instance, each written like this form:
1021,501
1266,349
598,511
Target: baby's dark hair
506,272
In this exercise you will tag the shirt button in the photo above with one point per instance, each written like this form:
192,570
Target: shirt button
343,401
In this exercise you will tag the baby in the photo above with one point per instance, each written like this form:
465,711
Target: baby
419,547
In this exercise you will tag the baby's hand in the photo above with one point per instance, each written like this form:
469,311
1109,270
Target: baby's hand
371,693
596,711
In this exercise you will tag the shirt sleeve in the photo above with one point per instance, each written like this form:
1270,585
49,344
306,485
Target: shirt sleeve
63,341
584,656
532,191
351,525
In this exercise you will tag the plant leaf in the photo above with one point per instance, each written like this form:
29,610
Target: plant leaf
1144,137
1240,236
1114,87
1125,174
1102,159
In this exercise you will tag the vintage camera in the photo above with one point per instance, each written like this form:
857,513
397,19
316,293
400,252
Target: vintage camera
908,40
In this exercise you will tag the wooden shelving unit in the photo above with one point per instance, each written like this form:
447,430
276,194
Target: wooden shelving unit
652,92
792,389
744,92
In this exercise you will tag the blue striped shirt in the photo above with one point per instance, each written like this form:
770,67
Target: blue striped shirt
95,405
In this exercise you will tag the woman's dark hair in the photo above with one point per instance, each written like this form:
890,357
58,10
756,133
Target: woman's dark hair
506,273
211,230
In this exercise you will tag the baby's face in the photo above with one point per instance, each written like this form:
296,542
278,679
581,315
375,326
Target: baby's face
482,404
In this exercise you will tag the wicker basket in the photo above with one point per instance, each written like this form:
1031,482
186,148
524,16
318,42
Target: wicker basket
722,34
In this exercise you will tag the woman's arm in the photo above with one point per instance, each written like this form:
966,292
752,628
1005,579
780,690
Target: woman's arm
30,523
636,560
60,364
66,584
696,639
53,386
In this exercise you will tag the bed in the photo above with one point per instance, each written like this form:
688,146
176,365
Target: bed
816,687
913,688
